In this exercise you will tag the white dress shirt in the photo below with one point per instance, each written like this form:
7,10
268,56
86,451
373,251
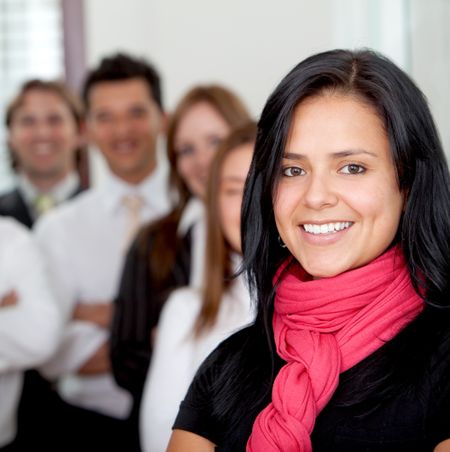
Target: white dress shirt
177,354
83,240
31,328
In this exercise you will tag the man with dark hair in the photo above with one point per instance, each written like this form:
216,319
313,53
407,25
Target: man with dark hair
122,67
44,124
86,240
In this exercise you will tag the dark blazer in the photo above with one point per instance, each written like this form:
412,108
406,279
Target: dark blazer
12,204
137,308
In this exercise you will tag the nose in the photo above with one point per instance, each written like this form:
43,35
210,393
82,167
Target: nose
122,126
204,159
42,129
319,192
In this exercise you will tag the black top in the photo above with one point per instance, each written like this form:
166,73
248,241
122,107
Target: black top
137,309
413,416
12,204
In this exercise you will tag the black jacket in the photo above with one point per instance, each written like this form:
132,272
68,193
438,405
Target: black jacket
137,309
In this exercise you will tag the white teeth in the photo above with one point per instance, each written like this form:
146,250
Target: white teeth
124,146
43,148
326,228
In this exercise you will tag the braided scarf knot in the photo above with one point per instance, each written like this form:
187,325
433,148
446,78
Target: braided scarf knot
322,328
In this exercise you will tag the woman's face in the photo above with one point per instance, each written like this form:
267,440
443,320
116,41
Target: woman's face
231,188
338,204
199,132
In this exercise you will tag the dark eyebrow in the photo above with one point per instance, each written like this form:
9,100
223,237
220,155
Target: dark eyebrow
341,154
353,152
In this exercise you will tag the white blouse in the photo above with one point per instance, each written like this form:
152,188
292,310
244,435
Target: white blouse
178,354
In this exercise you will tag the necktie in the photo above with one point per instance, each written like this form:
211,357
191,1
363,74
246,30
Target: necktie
43,203
133,204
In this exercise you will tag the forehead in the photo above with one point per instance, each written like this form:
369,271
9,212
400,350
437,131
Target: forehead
237,163
335,122
119,93
41,98
201,117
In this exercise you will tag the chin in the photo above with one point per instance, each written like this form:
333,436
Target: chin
319,272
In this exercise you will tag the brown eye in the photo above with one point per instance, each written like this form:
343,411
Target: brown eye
353,168
292,171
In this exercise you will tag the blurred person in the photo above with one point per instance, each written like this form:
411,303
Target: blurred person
44,133
86,240
195,320
31,321
169,253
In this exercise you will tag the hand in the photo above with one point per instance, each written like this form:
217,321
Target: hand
9,299
98,363
98,313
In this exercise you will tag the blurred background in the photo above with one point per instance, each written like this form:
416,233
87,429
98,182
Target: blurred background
248,45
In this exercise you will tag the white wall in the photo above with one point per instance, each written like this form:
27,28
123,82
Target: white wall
430,59
247,45
250,45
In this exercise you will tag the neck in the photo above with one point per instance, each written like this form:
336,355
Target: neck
46,182
136,177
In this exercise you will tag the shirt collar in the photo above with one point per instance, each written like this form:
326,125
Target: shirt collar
153,190
59,192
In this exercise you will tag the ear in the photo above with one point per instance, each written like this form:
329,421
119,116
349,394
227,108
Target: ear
86,131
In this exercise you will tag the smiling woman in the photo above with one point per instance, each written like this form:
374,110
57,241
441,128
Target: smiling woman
338,204
350,348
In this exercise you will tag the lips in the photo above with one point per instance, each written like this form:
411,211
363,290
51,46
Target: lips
43,149
124,147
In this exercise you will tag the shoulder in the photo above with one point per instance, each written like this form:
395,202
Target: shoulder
9,199
182,306
221,357
440,360
12,204
203,411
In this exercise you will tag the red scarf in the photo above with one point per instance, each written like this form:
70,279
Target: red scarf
322,328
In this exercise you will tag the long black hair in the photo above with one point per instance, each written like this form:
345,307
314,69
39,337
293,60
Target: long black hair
422,173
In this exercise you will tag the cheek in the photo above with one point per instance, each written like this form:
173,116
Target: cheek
285,204
229,210
69,135
97,134
19,137
146,130
183,168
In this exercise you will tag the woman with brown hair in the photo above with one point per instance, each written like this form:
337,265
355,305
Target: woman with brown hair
166,253
194,321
